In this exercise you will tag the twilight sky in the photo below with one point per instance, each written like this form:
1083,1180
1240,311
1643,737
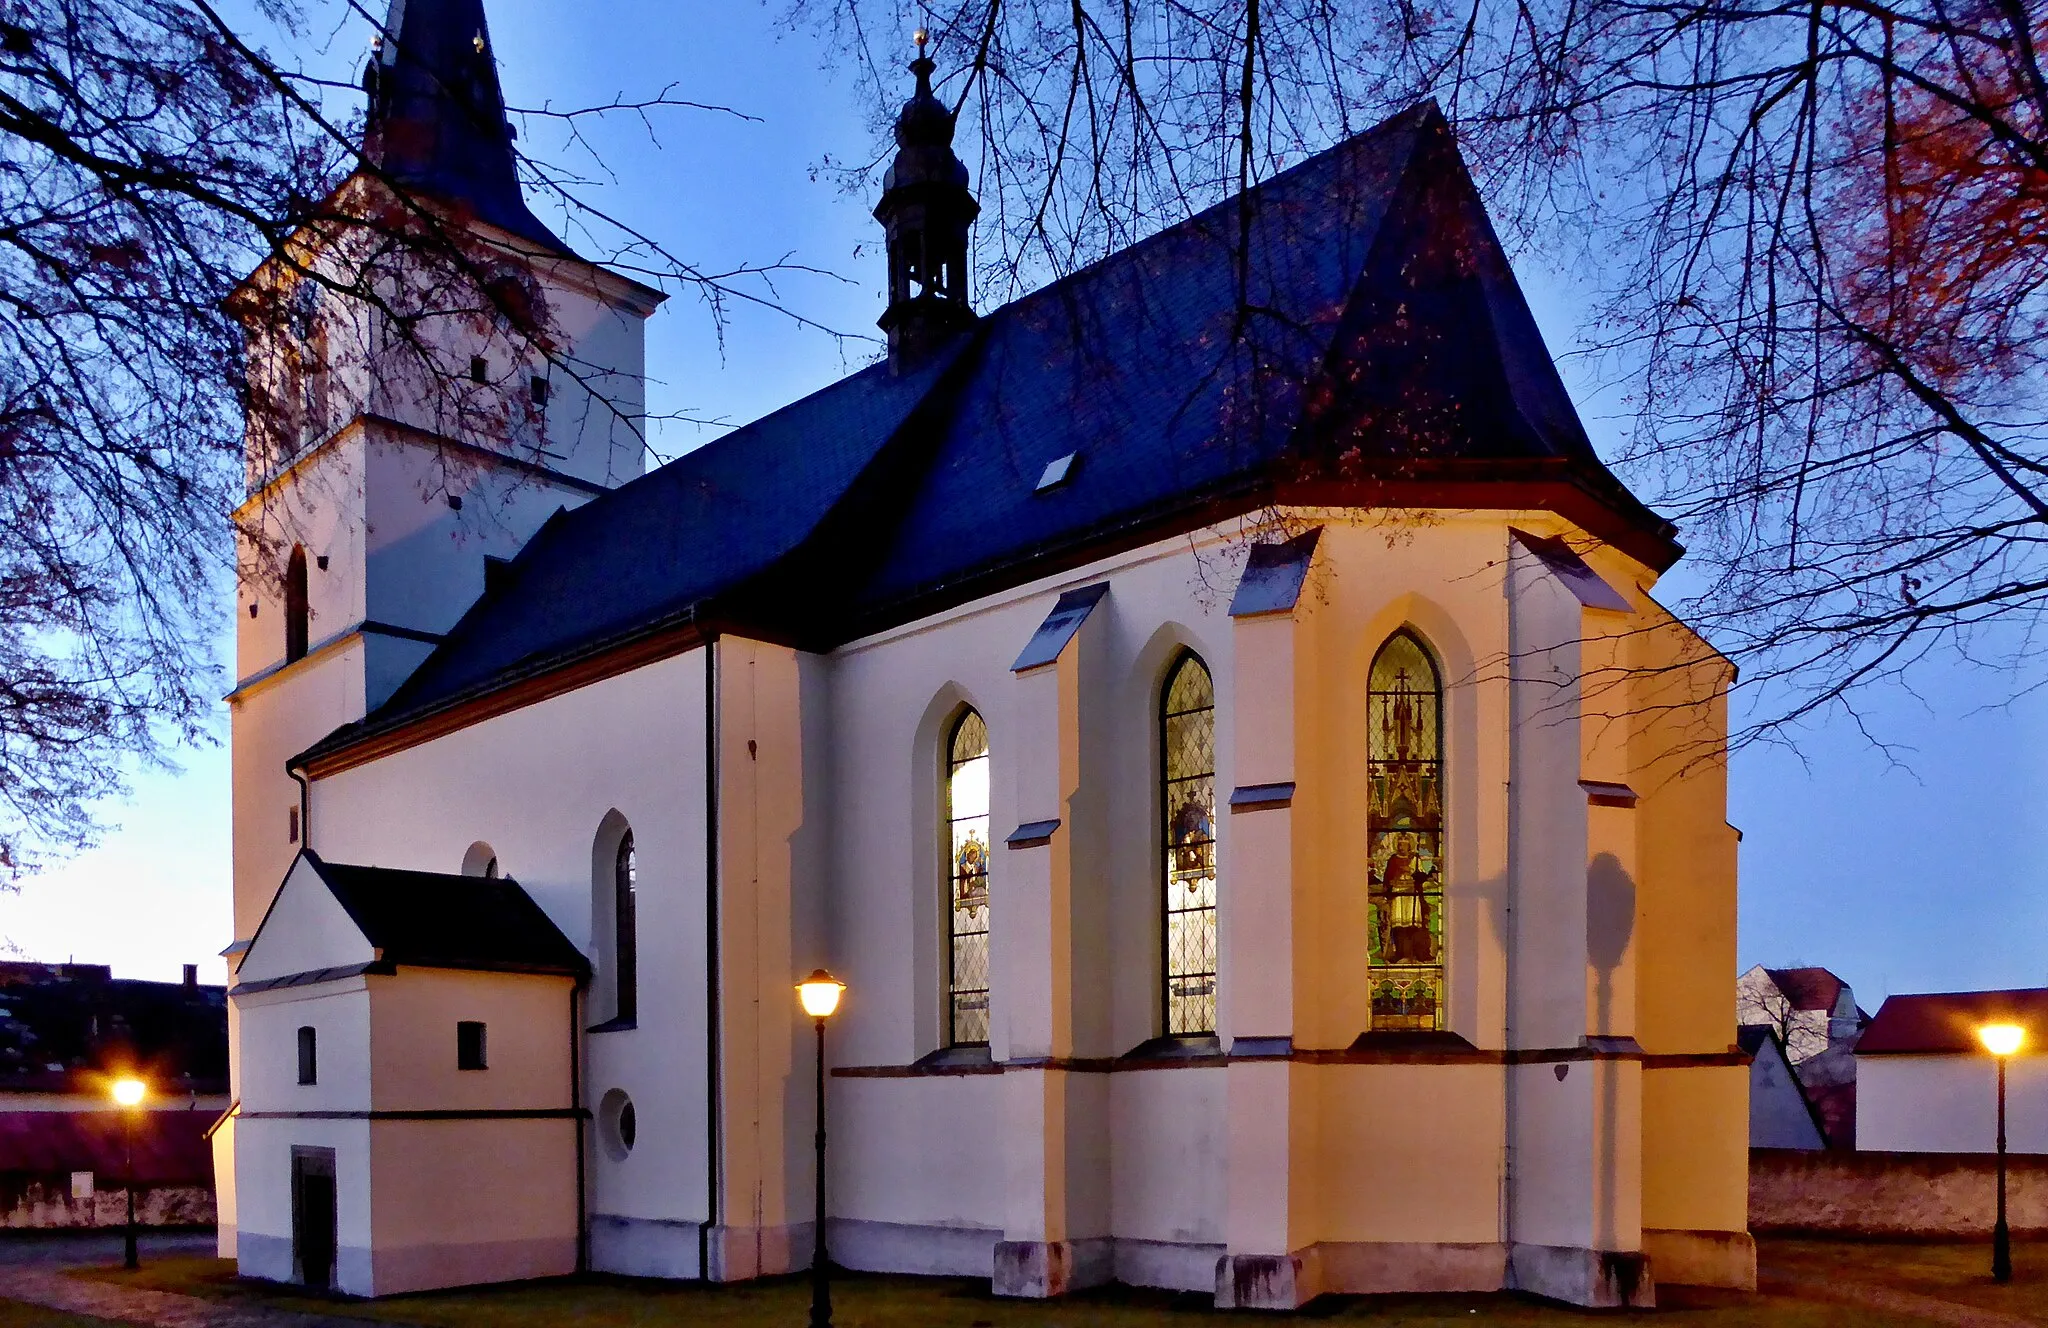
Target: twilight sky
1916,868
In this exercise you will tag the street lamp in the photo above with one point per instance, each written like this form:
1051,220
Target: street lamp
2001,1040
128,1094
820,994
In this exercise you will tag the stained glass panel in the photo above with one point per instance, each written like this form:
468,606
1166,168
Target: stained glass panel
1188,807
967,839
1404,833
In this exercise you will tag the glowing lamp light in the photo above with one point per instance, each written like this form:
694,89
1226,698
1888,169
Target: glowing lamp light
130,1092
820,994
2002,1039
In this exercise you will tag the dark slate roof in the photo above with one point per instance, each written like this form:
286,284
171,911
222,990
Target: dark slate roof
436,122
1371,336
1753,1038
434,920
1947,1022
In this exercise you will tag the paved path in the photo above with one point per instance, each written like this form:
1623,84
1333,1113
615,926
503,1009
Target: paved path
31,1270
1862,1295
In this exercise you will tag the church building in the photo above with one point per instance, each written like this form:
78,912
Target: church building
1212,712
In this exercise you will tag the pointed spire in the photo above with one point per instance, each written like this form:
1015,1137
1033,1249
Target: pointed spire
437,120
926,209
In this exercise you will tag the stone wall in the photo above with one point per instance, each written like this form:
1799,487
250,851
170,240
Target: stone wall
1892,1194
41,1202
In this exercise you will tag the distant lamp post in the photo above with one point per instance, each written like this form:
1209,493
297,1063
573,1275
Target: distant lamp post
2001,1040
820,993
128,1095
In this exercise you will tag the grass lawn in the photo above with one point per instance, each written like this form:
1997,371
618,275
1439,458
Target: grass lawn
13,1314
861,1301
1955,1271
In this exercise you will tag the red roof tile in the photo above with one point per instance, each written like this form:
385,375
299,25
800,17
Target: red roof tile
170,1146
1947,1022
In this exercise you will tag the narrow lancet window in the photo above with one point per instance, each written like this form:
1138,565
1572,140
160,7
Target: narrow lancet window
1187,721
626,931
297,606
1404,834
967,842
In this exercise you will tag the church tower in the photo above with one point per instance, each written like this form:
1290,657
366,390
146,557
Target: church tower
926,209
433,376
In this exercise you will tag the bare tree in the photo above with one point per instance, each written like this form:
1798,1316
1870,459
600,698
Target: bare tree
1813,236
151,158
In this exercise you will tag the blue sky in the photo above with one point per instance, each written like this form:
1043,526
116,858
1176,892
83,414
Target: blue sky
1916,868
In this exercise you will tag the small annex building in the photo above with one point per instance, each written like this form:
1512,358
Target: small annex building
1925,1084
406,1036
1212,711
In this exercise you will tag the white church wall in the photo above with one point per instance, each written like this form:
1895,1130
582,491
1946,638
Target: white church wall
536,784
339,1014
424,560
263,1163
273,721
1166,1163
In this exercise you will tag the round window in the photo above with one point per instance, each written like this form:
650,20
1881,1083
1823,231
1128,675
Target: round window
616,1125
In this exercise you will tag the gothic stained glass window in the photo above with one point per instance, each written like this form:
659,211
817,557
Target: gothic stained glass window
1404,837
967,881
1187,721
626,930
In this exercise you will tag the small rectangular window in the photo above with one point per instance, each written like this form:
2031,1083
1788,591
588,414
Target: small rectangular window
469,1045
479,369
309,1065
292,825
540,390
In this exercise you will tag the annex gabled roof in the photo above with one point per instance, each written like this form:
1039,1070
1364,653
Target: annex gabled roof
1946,1023
405,918
1348,333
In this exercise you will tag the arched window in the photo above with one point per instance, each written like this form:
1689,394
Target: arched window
625,933
1404,837
296,609
1187,804
967,842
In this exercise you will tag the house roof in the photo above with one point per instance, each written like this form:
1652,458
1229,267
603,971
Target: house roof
436,920
1808,988
65,1029
1946,1023
1349,333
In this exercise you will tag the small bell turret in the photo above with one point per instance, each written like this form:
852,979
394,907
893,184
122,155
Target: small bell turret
926,209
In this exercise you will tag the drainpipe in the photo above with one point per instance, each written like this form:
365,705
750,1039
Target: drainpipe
576,1118
712,1016
305,806
1508,929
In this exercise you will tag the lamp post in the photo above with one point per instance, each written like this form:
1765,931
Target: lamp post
820,994
128,1094
2001,1040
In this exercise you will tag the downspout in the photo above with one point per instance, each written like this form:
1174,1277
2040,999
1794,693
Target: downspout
305,806
712,1015
576,1117
1508,897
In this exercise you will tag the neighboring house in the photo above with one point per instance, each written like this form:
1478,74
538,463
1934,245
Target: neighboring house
1925,1084
1780,1114
1320,934
1814,1016
66,1032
